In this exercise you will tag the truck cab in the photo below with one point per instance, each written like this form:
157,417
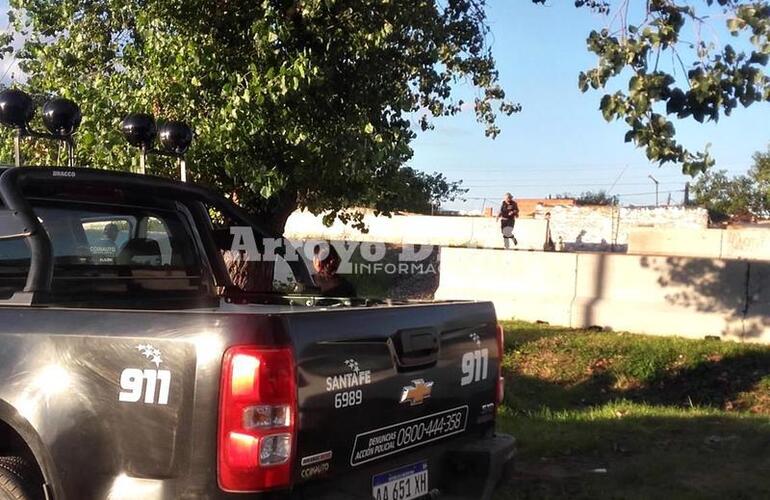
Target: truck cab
132,365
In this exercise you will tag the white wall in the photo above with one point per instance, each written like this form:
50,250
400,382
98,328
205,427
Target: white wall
419,229
608,228
645,294
580,228
734,243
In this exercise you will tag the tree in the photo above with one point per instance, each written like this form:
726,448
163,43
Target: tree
419,192
637,43
721,195
308,102
600,197
294,104
741,195
760,174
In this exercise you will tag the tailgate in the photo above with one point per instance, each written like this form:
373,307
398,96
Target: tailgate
374,383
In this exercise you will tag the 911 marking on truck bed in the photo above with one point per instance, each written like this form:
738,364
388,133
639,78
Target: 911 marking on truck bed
475,366
132,381
138,384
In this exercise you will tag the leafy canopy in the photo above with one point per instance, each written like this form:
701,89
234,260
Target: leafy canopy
600,197
305,104
647,45
420,192
309,103
741,195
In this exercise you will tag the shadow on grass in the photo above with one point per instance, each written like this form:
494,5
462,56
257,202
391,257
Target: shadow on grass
719,382
634,457
665,437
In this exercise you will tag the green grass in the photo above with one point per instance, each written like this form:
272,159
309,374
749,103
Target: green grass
614,415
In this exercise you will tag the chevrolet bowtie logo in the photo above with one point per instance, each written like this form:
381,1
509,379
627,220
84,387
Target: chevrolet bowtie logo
417,393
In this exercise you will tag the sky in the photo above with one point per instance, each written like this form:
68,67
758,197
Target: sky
560,143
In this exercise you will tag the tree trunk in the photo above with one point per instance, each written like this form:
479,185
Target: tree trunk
275,212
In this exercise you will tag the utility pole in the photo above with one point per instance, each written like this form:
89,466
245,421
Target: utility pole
686,194
657,187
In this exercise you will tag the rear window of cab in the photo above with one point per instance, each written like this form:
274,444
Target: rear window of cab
106,248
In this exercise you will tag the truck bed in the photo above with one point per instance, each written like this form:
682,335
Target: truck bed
67,386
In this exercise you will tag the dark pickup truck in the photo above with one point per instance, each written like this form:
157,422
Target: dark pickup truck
131,366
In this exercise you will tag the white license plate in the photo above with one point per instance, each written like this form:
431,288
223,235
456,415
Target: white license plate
401,484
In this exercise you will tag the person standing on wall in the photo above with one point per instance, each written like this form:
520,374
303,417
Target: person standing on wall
509,210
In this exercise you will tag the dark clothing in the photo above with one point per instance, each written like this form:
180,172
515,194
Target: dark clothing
334,286
508,214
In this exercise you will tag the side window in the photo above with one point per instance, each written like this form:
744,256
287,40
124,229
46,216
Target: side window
157,231
13,253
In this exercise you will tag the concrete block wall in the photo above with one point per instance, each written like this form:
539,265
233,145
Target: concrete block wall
688,297
480,232
600,228
580,228
660,295
738,243
536,285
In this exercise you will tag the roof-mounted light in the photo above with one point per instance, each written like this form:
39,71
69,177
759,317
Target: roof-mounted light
175,138
139,129
16,109
61,117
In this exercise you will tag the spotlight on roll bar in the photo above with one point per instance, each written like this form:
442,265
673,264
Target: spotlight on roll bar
139,130
174,137
16,109
61,117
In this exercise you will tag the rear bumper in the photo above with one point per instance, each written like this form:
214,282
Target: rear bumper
478,468
468,469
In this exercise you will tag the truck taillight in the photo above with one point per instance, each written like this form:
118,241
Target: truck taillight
500,352
257,419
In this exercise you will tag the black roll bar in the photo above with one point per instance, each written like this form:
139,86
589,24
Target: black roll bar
41,252
13,180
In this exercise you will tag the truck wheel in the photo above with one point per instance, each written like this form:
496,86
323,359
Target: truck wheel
15,484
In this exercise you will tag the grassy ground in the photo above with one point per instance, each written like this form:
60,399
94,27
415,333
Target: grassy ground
612,415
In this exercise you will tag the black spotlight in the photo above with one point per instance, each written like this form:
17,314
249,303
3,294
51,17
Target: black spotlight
16,109
61,117
139,130
175,137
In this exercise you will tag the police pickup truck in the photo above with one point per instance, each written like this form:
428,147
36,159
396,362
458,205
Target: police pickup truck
132,366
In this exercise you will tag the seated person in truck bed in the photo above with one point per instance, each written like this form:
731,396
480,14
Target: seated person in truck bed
326,277
246,273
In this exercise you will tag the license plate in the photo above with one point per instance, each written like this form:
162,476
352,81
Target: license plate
401,484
